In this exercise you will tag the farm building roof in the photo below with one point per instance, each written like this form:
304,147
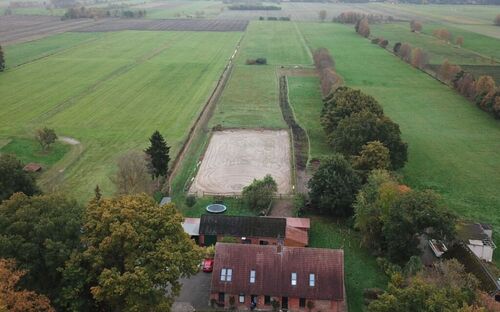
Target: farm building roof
301,223
32,167
297,235
273,271
242,226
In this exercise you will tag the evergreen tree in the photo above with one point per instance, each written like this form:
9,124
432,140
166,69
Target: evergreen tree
2,60
158,154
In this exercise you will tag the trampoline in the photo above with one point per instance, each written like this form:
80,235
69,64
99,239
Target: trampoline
216,208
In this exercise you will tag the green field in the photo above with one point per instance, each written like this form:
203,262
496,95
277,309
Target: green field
305,98
360,268
453,146
112,93
250,99
28,150
187,9
32,50
477,49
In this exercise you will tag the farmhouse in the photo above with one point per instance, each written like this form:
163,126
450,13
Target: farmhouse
298,279
253,230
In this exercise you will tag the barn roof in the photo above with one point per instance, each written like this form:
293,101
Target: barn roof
242,226
273,271
303,223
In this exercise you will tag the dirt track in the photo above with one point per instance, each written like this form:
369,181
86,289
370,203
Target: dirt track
235,157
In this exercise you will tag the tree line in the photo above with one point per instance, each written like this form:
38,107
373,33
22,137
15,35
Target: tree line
351,17
83,12
325,67
124,253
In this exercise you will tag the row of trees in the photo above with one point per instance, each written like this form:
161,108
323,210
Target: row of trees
362,27
325,65
417,57
2,60
483,92
351,17
82,12
445,34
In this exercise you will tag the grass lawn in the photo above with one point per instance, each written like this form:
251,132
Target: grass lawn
250,99
360,268
29,51
305,99
477,49
29,151
453,146
112,93
279,42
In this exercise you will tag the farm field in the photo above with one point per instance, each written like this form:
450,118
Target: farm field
250,100
183,9
452,144
477,49
77,93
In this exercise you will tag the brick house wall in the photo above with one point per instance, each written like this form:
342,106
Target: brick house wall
293,304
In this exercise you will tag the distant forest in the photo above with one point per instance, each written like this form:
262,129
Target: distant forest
422,1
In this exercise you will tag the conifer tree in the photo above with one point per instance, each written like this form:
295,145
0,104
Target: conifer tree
158,153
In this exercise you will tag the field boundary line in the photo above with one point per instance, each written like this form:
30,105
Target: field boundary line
303,41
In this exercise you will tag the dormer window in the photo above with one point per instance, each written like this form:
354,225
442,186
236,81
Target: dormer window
252,276
294,279
226,275
312,280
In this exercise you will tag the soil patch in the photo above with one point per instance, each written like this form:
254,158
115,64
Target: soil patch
235,158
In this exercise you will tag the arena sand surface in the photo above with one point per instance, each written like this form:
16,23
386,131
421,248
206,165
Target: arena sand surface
235,158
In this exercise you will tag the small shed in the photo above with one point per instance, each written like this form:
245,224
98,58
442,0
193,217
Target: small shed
33,167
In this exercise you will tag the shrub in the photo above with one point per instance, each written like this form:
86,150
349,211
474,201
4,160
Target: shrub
190,200
272,18
375,40
396,47
497,20
384,43
260,194
415,26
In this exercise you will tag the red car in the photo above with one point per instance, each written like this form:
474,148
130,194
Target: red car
208,265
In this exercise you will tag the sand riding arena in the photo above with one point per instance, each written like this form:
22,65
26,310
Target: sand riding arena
235,158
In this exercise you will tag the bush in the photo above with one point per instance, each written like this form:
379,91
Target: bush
299,204
375,40
260,194
257,61
384,43
190,200
272,18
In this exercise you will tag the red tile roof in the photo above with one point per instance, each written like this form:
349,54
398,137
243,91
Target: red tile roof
273,271
297,235
303,223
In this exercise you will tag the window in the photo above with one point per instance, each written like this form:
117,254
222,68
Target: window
312,280
226,275
263,242
302,302
267,300
242,298
252,276
294,279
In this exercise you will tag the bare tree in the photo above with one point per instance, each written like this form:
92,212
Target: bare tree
363,28
419,58
45,137
415,26
132,176
322,15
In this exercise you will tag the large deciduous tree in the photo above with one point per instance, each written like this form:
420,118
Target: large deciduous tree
40,232
333,187
14,300
260,194
158,153
343,103
373,155
360,128
14,179
132,176
45,137
133,254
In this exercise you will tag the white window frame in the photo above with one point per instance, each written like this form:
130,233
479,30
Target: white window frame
252,276
223,273
241,298
294,279
229,276
312,279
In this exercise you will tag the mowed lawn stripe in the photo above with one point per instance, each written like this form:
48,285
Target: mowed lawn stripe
453,146
164,92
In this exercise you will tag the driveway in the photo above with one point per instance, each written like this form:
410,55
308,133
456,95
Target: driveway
195,293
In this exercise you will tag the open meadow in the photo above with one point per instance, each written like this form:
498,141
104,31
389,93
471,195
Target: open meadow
93,93
452,145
